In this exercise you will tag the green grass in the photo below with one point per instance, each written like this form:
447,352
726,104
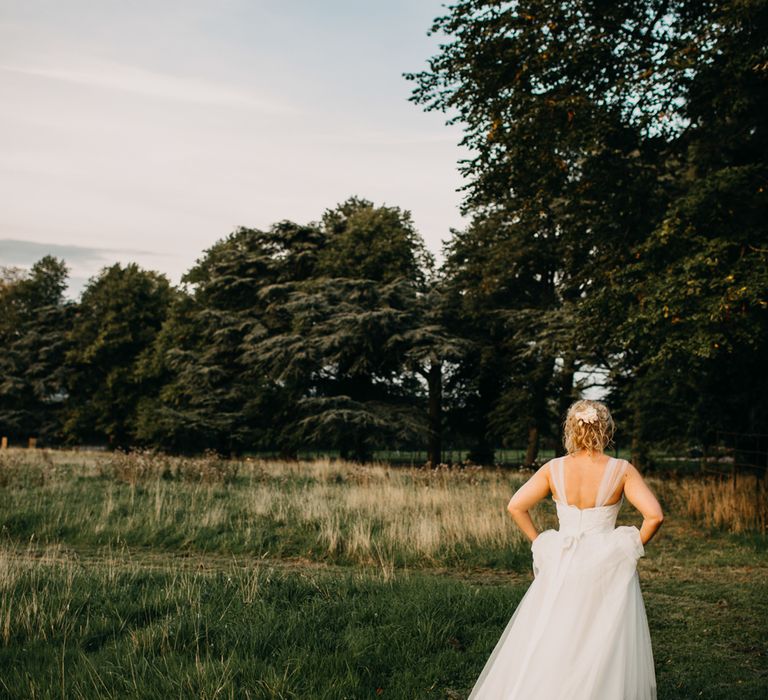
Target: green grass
246,632
118,626
109,590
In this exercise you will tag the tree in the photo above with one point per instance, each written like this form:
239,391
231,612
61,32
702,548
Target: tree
33,333
539,89
600,137
692,295
118,316
279,338
500,297
212,395
336,338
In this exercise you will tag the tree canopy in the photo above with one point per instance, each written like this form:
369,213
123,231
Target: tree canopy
619,161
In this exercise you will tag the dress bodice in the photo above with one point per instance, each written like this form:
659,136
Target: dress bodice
581,521
576,521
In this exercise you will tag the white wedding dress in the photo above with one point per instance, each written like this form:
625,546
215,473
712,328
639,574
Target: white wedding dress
580,632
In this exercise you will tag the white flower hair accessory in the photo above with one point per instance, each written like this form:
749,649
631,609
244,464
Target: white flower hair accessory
588,414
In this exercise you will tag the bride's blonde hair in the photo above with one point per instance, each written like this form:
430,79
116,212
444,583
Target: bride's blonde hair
588,426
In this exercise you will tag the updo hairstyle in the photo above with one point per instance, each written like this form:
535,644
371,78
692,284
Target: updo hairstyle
588,426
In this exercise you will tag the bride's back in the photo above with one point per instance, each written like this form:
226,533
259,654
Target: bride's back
583,476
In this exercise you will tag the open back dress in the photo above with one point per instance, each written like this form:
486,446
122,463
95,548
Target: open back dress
580,632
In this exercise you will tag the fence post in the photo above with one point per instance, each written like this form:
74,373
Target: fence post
32,443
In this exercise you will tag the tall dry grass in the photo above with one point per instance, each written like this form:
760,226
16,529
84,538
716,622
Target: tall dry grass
719,502
372,514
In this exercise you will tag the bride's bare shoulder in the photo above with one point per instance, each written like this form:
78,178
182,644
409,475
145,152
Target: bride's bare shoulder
640,494
631,471
546,468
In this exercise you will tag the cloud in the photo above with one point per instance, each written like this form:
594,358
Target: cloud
116,76
83,261
25,253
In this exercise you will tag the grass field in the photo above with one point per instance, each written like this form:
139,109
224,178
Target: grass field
150,576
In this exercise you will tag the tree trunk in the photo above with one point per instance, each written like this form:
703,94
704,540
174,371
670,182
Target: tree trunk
564,399
361,452
639,451
481,451
435,386
539,419
532,450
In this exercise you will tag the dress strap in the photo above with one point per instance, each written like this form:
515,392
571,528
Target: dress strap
612,476
557,473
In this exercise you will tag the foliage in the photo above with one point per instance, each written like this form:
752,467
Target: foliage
209,397
616,187
369,242
619,155
339,336
119,314
33,334
283,338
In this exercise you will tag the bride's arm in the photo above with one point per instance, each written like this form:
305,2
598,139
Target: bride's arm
527,496
640,496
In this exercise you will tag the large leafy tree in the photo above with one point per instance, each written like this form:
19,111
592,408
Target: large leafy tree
537,87
594,144
213,396
344,332
118,316
503,298
691,299
34,318
298,336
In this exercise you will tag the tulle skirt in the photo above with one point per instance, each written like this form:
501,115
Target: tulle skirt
580,632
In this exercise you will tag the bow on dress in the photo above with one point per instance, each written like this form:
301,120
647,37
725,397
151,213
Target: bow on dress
570,540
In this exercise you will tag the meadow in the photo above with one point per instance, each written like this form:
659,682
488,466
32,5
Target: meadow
144,575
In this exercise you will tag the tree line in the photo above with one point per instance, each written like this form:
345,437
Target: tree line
616,196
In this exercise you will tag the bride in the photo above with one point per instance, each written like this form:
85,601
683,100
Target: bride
580,632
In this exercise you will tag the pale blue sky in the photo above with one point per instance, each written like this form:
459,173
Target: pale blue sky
147,130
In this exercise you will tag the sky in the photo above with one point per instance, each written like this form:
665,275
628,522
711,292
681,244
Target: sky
146,131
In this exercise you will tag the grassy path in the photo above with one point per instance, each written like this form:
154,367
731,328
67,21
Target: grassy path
129,559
